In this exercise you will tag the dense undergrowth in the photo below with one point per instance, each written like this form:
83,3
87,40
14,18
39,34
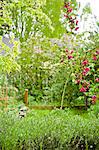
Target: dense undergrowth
49,130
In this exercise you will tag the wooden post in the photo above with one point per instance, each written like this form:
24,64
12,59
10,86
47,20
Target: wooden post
6,96
26,97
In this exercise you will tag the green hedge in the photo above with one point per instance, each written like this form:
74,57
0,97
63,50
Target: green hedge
56,130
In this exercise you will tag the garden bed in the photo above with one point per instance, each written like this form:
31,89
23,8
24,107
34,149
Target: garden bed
44,130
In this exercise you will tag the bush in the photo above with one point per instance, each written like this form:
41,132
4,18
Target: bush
61,130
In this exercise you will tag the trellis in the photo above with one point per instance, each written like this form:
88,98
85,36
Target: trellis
7,93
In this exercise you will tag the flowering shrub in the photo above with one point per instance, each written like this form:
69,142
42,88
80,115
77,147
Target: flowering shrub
70,16
83,71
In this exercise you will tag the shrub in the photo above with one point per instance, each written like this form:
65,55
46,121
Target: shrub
60,130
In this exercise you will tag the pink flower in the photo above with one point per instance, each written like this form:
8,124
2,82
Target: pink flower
70,17
84,73
78,81
76,22
94,98
70,57
71,51
97,52
97,79
85,62
66,16
83,89
69,10
66,6
76,28
94,57
66,50
86,70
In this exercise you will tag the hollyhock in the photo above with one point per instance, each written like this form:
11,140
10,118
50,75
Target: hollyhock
76,28
97,79
70,57
83,89
94,57
85,62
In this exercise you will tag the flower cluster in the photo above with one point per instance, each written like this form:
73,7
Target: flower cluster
69,53
84,64
70,17
93,99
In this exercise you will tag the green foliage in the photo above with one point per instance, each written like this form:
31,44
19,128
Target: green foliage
8,56
55,130
53,10
46,69
35,60
27,17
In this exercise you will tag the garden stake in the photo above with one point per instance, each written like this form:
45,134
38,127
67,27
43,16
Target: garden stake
26,97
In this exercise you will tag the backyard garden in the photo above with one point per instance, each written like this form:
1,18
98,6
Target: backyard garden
49,75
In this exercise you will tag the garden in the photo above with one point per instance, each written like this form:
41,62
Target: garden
49,75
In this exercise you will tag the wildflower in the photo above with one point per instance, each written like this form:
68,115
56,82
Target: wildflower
85,62
83,89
